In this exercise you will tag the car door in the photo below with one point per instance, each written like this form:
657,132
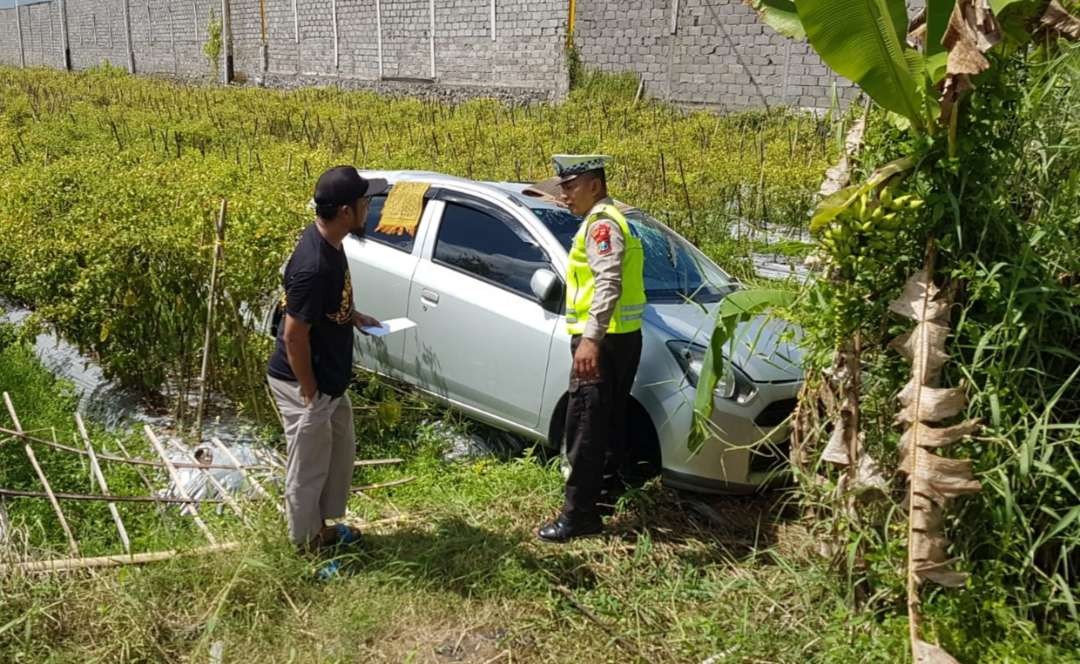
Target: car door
381,267
482,337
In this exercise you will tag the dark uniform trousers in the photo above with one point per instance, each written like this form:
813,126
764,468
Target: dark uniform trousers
596,422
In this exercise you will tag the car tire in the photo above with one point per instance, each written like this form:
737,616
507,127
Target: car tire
643,459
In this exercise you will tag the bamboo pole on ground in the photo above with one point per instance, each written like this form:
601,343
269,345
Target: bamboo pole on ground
72,544
127,458
179,486
217,258
376,462
60,495
382,485
71,564
95,470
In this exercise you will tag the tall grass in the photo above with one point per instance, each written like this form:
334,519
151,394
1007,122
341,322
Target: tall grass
110,184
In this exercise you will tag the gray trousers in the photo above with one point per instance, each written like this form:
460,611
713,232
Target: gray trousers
321,445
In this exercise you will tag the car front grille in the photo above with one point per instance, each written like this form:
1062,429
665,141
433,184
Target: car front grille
775,413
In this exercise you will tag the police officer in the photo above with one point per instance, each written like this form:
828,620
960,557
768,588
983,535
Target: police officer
605,302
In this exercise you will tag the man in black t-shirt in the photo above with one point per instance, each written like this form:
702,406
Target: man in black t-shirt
311,367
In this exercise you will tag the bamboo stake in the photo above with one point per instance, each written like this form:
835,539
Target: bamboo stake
176,480
149,486
217,258
72,544
376,462
95,470
383,485
127,458
247,478
60,495
686,194
70,564
225,495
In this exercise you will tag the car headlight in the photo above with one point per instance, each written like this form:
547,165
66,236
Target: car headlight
732,383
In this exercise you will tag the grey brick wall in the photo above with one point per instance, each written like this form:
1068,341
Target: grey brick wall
720,54
168,37
41,36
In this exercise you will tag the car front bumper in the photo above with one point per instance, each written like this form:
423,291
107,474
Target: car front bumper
746,442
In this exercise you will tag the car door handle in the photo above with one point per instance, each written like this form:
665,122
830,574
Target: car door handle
429,297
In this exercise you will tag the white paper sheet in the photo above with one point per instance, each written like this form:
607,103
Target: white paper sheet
389,327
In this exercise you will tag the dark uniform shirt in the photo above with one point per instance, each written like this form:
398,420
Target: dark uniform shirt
318,291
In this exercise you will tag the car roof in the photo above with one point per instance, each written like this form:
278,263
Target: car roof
513,190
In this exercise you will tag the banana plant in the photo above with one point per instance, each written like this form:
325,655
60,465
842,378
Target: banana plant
736,308
922,77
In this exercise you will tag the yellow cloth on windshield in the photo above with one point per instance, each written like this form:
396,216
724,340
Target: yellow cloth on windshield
402,210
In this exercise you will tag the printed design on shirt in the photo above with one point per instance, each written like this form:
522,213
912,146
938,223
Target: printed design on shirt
601,235
343,316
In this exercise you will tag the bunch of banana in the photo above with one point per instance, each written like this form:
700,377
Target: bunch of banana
868,226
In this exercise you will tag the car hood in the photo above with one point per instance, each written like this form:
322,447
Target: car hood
765,348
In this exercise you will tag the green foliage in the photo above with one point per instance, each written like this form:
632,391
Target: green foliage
212,47
574,69
120,264
736,308
782,16
1003,219
863,41
937,20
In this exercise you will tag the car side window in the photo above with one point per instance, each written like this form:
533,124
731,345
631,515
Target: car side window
497,249
403,242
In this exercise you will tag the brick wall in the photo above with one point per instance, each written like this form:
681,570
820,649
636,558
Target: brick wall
168,36
719,55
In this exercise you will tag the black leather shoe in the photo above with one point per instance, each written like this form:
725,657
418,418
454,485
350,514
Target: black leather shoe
564,529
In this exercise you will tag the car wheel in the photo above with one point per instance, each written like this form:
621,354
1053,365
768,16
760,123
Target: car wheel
643,461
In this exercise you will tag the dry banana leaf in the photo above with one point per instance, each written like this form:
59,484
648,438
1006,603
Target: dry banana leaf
928,653
1057,21
836,452
843,442
921,301
938,437
838,177
925,351
923,403
972,31
869,477
932,479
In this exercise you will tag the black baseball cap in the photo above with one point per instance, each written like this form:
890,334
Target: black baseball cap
343,185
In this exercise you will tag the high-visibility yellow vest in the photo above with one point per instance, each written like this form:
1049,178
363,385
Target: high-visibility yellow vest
581,283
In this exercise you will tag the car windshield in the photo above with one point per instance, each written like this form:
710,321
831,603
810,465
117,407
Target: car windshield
675,271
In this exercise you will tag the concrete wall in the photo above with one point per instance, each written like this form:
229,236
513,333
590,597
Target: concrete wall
719,55
525,52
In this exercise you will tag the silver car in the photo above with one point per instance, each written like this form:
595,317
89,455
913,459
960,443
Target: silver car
482,280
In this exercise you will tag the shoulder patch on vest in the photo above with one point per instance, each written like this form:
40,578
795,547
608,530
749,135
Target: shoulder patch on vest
601,235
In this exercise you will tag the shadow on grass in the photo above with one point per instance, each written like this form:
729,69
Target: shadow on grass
703,529
452,554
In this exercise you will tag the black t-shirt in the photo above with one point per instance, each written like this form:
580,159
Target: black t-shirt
318,291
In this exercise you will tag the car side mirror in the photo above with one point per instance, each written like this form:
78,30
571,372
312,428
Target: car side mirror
548,288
